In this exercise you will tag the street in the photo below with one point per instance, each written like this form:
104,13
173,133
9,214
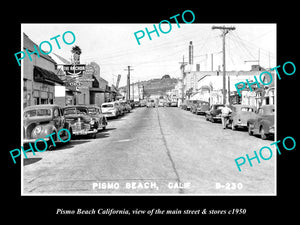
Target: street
164,150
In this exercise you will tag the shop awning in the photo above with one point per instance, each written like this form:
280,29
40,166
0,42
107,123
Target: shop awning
98,90
45,76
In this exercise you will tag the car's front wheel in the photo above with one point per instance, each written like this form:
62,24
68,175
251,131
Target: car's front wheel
250,132
263,134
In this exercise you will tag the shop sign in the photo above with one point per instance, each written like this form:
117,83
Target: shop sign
74,69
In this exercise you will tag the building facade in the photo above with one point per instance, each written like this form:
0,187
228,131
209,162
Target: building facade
39,76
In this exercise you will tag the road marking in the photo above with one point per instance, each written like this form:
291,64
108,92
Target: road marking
124,140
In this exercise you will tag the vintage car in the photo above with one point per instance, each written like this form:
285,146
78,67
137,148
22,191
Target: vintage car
214,113
201,108
128,107
173,104
240,115
80,120
151,103
263,123
110,109
189,104
42,120
184,104
97,115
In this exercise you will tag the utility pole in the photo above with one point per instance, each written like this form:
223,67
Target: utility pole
183,64
128,83
225,30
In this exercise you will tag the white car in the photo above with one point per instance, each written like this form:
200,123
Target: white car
110,109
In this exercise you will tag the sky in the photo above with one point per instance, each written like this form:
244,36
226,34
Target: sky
114,47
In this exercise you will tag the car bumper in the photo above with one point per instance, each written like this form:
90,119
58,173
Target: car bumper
33,140
272,131
84,132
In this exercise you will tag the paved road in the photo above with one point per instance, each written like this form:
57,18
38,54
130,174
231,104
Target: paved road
153,151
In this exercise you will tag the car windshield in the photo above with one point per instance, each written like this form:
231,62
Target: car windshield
92,110
37,113
78,110
107,106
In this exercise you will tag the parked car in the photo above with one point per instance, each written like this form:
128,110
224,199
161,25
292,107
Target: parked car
189,104
97,115
110,109
200,108
151,103
137,104
80,120
263,123
184,104
125,106
240,115
214,113
193,105
120,108
160,104
174,104
42,120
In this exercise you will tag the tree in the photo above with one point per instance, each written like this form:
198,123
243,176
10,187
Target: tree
76,50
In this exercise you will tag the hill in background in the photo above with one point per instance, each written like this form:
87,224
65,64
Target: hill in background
159,86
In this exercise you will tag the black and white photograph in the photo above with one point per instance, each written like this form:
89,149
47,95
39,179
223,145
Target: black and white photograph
149,111
170,108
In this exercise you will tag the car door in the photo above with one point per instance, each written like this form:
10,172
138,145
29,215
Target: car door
57,118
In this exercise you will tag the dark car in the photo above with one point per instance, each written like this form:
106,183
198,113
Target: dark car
184,104
201,108
240,115
97,115
42,120
214,113
189,104
263,123
81,121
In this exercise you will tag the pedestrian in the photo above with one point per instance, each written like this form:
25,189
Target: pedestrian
225,115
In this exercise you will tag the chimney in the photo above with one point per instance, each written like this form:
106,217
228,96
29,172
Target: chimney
191,53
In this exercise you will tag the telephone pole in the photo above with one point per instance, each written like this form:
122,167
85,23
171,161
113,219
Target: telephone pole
183,64
225,30
128,83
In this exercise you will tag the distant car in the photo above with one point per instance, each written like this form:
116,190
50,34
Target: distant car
184,104
97,115
161,104
137,104
120,108
194,104
81,121
201,107
173,104
42,120
263,123
142,103
110,109
189,104
127,106
214,113
240,115
151,103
